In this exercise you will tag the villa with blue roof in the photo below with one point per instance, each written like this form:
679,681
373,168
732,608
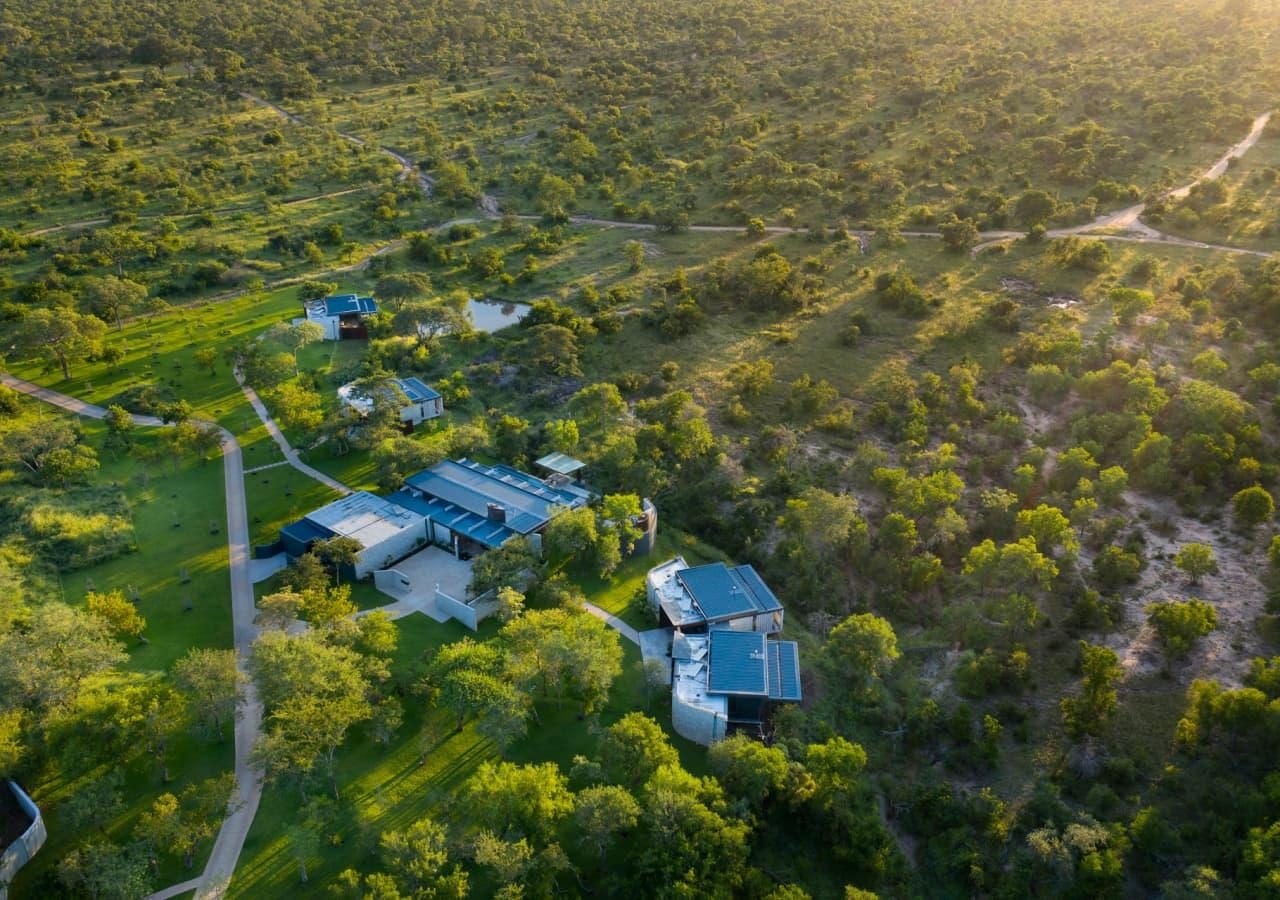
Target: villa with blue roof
417,542
726,672
423,402
473,507
341,316
695,599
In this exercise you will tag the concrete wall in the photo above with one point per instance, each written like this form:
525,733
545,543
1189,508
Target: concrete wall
17,854
697,723
455,608
392,582
395,548
420,412
649,536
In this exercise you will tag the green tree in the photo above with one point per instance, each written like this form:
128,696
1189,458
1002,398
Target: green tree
635,255
60,337
401,287
179,825
294,337
571,534
1089,711
1050,529
562,434
517,801
45,662
12,748
205,357
602,812
112,298
1197,560
312,693
563,651
106,871
514,564
958,235
69,465
1180,623
418,858
214,687
120,615
1034,207
748,769
598,408
426,321
1253,506
337,552
635,747
860,649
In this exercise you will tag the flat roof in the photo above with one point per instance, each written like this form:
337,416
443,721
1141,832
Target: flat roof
344,304
784,670
722,592
304,531
365,517
416,390
737,663
560,463
472,486
479,528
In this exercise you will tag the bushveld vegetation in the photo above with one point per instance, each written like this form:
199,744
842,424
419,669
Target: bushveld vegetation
1019,503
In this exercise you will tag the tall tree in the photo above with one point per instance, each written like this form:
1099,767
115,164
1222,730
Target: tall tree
214,687
61,336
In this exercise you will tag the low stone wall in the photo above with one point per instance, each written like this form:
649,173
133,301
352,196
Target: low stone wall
17,854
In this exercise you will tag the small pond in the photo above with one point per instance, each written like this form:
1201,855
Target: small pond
493,315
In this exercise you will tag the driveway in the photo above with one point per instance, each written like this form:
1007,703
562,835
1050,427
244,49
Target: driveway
412,583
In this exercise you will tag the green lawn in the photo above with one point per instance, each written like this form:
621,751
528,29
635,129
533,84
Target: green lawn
278,496
161,497
623,594
385,788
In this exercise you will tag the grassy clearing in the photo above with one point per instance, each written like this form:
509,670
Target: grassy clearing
623,594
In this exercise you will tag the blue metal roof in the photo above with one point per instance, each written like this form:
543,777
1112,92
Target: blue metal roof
345,304
479,528
304,531
722,592
472,487
784,670
416,390
736,663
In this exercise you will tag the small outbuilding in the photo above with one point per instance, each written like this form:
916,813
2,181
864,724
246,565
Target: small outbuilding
341,316
424,402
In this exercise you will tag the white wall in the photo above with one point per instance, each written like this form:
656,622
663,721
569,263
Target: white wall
420,412
329,324
396,547
697,723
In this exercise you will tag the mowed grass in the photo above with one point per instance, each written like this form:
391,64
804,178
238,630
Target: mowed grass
161,497
384,788
623,593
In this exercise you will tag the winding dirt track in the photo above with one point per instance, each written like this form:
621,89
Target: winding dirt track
1122,225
